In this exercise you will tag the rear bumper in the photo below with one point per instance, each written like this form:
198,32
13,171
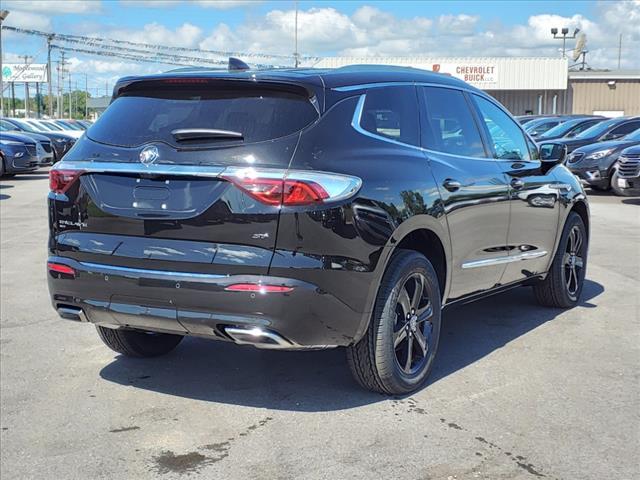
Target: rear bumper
198,304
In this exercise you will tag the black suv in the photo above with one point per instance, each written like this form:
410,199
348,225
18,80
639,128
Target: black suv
306,209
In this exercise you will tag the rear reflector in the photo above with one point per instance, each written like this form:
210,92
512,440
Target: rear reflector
258,288
61,180
294,187
61,268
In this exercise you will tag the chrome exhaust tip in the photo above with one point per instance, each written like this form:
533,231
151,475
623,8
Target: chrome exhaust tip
257,337
72,313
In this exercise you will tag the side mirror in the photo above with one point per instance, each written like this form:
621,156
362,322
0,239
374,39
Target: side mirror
553,153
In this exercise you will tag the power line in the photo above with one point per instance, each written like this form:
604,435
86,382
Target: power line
98,41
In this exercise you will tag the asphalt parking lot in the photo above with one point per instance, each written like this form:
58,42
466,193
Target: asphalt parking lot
518,391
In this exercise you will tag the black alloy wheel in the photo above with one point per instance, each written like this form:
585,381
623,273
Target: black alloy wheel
573,261
397,352
565,279
413,332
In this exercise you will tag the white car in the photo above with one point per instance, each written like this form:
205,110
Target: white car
51,126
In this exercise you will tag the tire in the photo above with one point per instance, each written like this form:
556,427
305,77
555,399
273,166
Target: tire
1,167
135,343
563,286
376,363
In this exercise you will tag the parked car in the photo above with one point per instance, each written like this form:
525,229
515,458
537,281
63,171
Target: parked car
68,126
60,142
524,119
594,163
626,177
43,143
569,128
307,209
18,154
612,129
50,125
535,128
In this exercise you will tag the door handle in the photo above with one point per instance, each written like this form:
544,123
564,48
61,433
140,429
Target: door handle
452,185
517,183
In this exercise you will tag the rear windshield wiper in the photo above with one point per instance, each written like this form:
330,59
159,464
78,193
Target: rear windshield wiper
182,134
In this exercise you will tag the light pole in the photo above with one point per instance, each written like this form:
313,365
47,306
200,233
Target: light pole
3,15
564,35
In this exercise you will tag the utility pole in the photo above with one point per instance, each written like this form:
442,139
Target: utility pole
295,54
26,90
13,99
619,51
61,65
3,15
49,77
86,98
38,100
69,94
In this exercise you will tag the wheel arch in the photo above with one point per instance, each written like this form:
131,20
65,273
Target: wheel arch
427,236
581,208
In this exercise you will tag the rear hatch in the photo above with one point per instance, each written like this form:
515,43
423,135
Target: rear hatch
154,182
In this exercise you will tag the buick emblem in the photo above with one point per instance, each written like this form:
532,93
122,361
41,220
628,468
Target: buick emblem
149,154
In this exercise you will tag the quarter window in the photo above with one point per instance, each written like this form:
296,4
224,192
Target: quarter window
507,139
449,125
392,113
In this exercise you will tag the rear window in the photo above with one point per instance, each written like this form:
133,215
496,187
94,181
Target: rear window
257,113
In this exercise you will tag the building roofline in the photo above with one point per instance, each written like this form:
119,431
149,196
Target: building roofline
604,75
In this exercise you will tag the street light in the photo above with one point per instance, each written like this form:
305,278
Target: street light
564,36
3,14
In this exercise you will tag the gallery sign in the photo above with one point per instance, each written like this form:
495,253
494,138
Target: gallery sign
478,74
17,72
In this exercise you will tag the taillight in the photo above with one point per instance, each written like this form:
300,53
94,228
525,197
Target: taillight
61,268
258,288
293,188
61,180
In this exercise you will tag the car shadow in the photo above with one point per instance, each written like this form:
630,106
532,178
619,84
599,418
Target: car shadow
631,201
320,380
22,177
4,197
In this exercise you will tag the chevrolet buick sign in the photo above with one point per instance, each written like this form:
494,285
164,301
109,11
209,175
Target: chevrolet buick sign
17,72
479,75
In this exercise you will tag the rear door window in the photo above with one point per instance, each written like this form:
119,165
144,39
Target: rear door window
392,112
449,125
149,115
624,129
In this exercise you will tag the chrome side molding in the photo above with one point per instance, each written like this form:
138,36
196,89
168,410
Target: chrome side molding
141,168
488,262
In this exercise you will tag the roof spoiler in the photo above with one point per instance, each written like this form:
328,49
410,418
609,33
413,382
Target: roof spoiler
237,65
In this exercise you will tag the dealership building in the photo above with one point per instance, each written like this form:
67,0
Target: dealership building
528,85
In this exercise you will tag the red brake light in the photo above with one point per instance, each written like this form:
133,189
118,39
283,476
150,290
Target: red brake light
282,192
61,180
301,192
258,288
61,268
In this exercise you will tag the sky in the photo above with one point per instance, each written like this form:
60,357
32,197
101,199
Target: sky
325,28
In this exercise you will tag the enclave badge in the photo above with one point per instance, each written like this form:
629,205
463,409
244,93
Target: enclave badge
149,154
